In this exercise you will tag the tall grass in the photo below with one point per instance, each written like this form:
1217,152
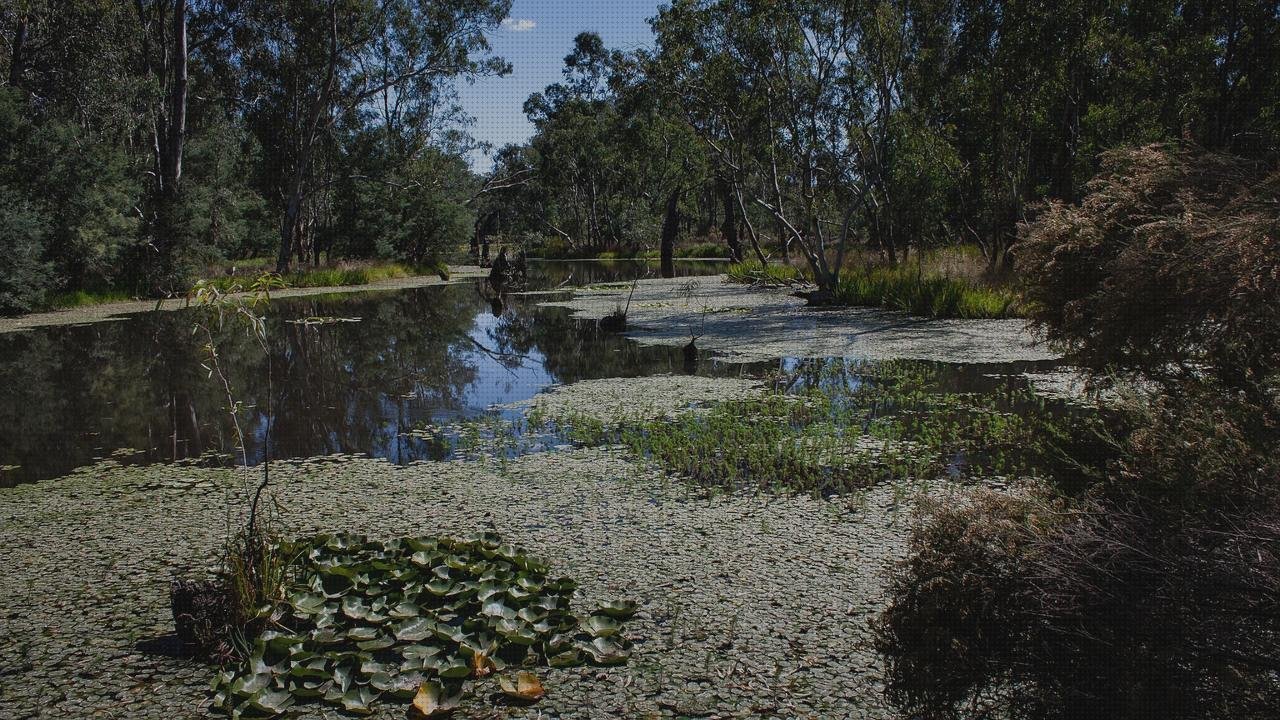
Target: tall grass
344,275
936,296
80,298
752,271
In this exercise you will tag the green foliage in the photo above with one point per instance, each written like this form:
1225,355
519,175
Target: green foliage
24,274
904,288
752,271
886,422
361,621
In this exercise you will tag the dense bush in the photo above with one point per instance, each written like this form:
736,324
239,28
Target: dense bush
1171,261
1154,589
1157,594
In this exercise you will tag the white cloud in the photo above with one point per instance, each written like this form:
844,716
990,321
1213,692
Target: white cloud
519,24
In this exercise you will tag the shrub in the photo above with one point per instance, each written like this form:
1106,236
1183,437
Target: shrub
24,276
1170,261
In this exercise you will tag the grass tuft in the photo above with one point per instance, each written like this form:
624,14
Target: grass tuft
935,296
752,271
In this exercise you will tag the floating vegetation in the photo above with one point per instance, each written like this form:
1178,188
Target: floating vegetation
841,430
323,320
415,620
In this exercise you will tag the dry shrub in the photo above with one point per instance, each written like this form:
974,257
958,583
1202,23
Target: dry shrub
1155,592
954,635
1172,260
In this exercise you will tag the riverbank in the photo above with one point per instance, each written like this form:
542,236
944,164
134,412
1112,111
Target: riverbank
121,309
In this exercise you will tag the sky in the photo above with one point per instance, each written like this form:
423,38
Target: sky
535,39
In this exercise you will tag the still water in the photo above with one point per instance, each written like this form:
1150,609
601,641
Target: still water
138,388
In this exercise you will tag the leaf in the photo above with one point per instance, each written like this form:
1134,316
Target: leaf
620,609
601,626
431,700
414,630
482,665
359,699
605,651
272,702
526,687
308,603
455,667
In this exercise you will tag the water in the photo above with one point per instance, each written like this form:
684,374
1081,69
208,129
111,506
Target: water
139,388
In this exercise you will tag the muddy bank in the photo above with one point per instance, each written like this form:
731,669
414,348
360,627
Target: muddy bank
747,324
114,311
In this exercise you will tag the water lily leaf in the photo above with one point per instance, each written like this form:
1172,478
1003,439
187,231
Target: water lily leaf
529,583
405,610
525,688
382,642
482,665
308,603
343,676
271,702
605,651
531,614
620,609
309,689
601,626
314,668
431,700
414,630
516,632
497,609
355,607
455,667
439,587
568,658
423,558
486,590
420,651
362,633
381,681
359,699
327,636
405,685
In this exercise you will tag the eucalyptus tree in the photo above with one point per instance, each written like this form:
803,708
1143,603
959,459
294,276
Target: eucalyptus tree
575,124
307,66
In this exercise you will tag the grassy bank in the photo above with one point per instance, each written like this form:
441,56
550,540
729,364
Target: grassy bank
229,275
914,289
342,274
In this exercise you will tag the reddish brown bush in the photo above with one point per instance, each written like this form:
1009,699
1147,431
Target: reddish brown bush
1171,261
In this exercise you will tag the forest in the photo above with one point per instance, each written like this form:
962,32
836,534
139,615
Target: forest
144,141
850,358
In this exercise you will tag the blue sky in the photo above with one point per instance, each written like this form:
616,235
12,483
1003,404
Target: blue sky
535,39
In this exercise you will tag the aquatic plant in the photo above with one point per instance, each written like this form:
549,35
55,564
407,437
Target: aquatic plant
838,433
416,619
906,289
752,271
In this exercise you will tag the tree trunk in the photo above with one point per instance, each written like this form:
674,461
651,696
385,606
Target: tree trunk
177,130
729,227
16,58
296,194
670,224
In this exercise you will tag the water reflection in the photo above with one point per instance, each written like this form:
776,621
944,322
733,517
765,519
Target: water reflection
431,355
73,394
